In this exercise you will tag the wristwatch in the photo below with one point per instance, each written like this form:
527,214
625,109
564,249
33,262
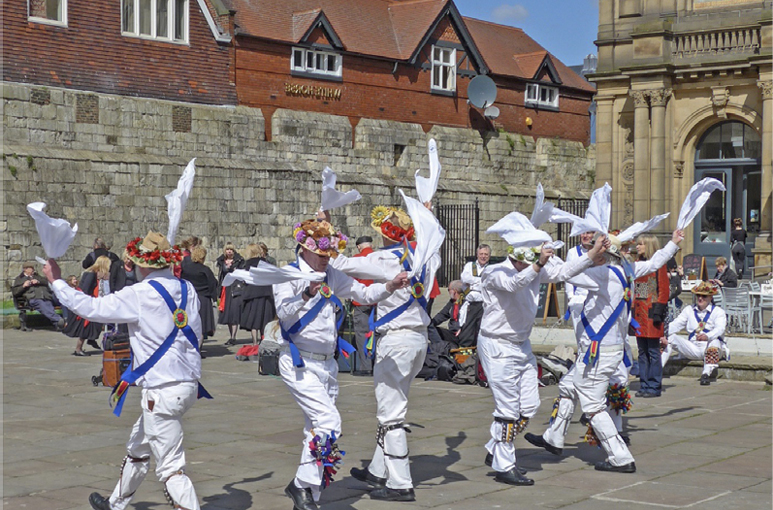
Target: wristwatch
307,293
539,265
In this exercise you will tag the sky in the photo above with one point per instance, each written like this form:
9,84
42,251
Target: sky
566,28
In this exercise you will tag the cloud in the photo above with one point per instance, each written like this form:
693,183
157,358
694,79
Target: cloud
504,13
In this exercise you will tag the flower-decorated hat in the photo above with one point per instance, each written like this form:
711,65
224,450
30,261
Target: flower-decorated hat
154,251
392,223
705,289
524,254
320,237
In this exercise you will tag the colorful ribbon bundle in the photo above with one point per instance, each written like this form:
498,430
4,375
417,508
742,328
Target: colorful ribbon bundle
326,451
618,398
554,411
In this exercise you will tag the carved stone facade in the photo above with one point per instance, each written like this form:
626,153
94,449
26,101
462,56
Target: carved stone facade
669,72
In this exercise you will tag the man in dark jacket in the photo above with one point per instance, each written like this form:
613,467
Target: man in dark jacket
100,249
459,332
34,288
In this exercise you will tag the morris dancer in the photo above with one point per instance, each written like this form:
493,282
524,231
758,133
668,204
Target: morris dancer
167,366
705,323
510,297
307,316
402,344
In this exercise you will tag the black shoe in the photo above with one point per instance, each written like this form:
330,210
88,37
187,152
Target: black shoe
98,502
650,395
513,477
540,441
714,374
230,342
59,325
705,380
363,373
606,466
584,420
94,344
490,461
366,476
387,494
626,440
640,394
302,499
79,353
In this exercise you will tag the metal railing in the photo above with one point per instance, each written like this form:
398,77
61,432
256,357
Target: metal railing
461,222
576,206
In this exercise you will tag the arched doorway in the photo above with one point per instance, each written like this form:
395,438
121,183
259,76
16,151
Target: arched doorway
729,151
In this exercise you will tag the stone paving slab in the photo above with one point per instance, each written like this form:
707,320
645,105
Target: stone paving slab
695,447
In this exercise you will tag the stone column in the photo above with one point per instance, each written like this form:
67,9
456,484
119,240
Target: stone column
641,155
658,100
604,144
766,215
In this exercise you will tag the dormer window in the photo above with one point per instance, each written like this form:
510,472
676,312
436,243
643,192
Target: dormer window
538,94
323,64
155,19
443,69
51,12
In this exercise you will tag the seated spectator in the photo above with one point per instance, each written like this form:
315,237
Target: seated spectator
725,276
705,324
459,332
100,249
205,283
34,289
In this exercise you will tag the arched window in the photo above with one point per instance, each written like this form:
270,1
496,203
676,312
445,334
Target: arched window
729,140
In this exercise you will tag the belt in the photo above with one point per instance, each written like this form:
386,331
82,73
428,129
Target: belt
610,347
309,355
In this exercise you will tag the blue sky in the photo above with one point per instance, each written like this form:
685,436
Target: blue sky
566,28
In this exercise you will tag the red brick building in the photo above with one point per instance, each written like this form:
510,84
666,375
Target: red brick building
400,60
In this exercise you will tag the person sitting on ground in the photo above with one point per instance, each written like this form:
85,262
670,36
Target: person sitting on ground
34,289
725,276
460,331
100,249
705,324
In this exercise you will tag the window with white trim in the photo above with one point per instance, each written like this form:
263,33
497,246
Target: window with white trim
443,68
541,95
316,62
155,19
53,12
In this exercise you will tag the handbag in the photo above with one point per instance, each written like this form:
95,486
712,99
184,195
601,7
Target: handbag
237,288
221,301
658,313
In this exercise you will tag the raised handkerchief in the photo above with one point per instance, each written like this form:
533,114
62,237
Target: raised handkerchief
427,187
177,199
332,198
269,274
56,235
697,197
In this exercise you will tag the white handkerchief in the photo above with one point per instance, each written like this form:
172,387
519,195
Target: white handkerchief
543,211
640,227
427,187
56,235
518,231
331,198
429,233
268,274
597,216
696,199
177,199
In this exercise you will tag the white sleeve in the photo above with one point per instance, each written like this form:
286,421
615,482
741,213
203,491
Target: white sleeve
467,277
558,271
679,323
498,279
121,307
657,261
720,323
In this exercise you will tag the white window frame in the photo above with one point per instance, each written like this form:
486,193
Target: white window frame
535,93
60,23
134,31
316,56
438,65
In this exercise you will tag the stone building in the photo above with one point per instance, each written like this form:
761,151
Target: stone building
685,91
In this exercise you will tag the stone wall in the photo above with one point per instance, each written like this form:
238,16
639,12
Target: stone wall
111,176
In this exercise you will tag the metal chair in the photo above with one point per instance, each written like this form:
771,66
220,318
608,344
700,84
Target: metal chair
738,308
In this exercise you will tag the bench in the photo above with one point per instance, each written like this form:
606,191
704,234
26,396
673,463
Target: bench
23,307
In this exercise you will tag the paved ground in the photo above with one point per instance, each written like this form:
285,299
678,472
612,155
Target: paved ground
701,447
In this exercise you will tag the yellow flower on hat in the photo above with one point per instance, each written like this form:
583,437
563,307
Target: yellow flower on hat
379,214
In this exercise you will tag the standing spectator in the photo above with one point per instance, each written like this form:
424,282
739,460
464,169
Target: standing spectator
100,250
230,297
738,246
257,300
94,282
188,244
650,309
725,277
271,260
123,273
471,277
33,287
203,280
361,315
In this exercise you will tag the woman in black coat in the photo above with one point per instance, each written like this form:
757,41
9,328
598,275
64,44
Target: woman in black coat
203,280
257,300
94,282
231,297
123,273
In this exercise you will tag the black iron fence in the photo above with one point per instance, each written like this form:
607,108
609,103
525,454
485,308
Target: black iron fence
461,222
576,206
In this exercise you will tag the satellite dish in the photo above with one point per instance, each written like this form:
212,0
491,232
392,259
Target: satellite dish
492,112
482,91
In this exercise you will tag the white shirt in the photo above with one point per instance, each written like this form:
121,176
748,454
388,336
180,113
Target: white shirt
576,295
149,321
606,292
320,335
713,328
472,281
383,265
510,297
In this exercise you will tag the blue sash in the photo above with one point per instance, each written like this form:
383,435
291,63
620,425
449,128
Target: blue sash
591,355
569,312
180,318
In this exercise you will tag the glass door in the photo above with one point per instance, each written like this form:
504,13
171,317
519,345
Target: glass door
713,224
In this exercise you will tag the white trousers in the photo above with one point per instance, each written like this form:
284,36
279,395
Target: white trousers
511,369
315,389
695,350
620,377
159,432
399,357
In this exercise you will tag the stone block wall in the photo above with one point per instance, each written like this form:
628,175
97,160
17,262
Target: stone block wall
111,177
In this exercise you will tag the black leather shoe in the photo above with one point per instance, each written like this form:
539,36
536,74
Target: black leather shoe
230,341
98,502
626,440
606,466
714,374
387,494
513,477
705,380
539,441
490,461
94,344
302,499
584,420
366,476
